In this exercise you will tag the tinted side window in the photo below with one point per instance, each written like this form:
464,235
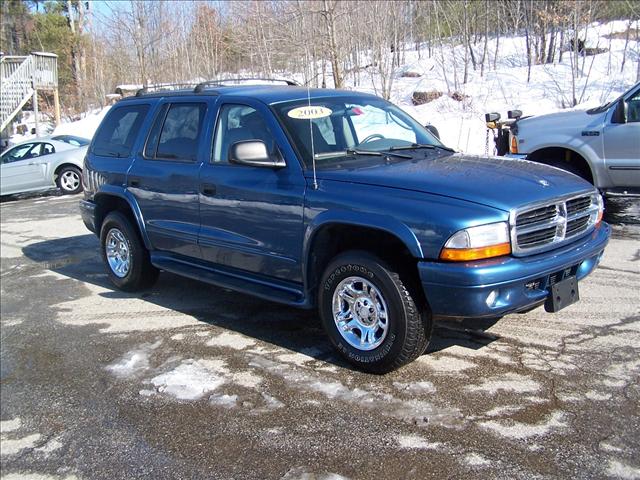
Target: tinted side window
633,108
238,123
47,148
18,153
118,131
180,134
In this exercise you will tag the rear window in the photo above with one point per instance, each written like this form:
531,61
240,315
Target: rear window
118,131
176,133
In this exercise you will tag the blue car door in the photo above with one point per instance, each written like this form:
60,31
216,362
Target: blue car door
251,217
164,176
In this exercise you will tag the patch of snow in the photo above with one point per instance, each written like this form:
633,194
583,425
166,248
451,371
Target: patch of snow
622,470
10,425
417,442
192,379
296,358
50,446
416,387
510,382
445,364
227,401
11,447
178,336
597,396
303,473
272,402
135,361
35,476
231,340
505,410
415,412
246,379
476,460
521,431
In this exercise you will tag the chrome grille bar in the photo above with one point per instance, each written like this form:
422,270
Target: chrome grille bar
544,226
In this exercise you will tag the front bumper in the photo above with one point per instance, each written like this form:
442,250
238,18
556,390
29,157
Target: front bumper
519,283
88,214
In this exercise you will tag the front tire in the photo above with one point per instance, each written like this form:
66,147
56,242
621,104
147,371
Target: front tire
69,180
124,255
370,315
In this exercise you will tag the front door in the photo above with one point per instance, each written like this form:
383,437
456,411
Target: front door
622,145
164,176
252,217
21,169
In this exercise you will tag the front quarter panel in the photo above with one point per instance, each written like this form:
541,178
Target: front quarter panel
423,222
586,139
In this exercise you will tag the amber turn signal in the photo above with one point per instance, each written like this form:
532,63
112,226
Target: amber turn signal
514,144
466,254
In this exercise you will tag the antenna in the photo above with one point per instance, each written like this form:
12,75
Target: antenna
313,149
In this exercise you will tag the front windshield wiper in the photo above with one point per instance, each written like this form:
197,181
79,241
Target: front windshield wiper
353,151
414,146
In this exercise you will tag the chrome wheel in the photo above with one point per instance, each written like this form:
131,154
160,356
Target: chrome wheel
118,253
70,180
360,313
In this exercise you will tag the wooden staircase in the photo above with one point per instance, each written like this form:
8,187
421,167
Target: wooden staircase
22,77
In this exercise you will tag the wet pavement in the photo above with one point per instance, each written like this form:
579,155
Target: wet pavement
187,380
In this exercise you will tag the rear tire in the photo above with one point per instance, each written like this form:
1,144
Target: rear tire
69,180
124,254
370,315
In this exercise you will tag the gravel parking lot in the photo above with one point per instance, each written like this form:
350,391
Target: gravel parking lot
191,381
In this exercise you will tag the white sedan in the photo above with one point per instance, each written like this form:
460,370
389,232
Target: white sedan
43,163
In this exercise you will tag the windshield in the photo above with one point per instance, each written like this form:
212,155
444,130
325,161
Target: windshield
349,126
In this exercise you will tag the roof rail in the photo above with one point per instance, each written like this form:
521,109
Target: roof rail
224,82
163,86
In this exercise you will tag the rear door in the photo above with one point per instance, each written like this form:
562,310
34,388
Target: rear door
164,175
622,145
252,217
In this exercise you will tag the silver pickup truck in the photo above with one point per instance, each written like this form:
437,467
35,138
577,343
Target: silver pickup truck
601,145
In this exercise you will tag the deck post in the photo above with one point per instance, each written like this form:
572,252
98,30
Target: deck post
56,106
35,108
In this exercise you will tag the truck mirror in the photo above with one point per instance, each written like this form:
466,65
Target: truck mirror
433,130
514,114
253,153
491,117
620,112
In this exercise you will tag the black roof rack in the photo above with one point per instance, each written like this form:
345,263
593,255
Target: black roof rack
224,82
163,86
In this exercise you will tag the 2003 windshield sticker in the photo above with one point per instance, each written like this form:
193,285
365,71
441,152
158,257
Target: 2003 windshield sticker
309,113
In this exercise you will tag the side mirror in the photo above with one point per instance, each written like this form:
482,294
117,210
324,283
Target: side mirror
620,113
491,117
254,154
433,130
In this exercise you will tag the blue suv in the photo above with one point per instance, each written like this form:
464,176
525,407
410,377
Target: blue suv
337,200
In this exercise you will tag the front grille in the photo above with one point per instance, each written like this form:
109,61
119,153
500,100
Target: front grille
542,227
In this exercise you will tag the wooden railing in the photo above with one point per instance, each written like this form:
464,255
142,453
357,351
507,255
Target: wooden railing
20,76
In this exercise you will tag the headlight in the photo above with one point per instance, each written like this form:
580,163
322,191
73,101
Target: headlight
484,241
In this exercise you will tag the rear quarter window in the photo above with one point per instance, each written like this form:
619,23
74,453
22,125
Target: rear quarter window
118,131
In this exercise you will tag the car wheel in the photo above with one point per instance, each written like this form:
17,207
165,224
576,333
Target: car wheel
69,180
370,315
126,258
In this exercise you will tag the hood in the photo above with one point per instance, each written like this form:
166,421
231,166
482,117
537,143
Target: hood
573,119
497,182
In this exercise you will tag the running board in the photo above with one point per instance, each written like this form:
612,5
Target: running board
274,290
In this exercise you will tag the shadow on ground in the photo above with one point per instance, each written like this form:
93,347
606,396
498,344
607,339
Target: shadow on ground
294,329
